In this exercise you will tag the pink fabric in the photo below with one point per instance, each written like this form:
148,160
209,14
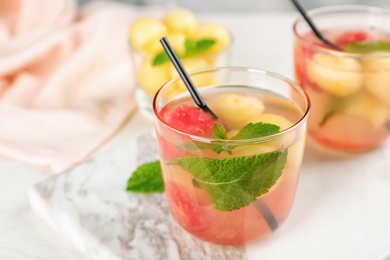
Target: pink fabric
65,79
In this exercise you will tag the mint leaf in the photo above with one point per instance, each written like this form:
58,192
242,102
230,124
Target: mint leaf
205,44
338,105
219,132
256,130
365,47
147,178
219,148
195,47
233,183
160,58
191,47
326,117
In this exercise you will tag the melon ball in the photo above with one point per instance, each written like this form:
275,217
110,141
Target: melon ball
236,110
377,77
150,77
200,80
177,41
144,31
181,20
213,31
339,76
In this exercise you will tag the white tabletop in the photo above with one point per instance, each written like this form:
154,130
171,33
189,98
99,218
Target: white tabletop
262,40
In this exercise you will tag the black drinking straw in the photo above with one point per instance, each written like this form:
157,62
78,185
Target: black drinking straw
313,26
260,205
185,77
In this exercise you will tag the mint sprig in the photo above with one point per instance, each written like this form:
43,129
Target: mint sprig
147,178
161,58
233,183
191,48
365,47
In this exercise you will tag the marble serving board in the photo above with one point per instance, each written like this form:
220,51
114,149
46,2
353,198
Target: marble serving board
90,206
342,211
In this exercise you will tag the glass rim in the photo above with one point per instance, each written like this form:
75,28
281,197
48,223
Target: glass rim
262,139
333,9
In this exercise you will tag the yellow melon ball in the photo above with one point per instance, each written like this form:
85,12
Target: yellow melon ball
213,31
190,64
377,77
150,77
181,20
144,31
280,121
236,110
177,41
339,76
366,106
232,133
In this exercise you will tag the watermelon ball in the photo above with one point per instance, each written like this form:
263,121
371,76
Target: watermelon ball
352,36
184,206
192,120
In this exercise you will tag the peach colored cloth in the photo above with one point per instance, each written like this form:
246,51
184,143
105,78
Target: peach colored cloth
65,79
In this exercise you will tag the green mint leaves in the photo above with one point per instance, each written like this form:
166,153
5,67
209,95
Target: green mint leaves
365,47
251,130
161,58
191,47
233,183
195,47
147,178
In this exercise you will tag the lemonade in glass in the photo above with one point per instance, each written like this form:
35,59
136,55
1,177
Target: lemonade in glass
349,88
232,179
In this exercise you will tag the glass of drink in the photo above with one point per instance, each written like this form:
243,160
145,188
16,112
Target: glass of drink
199,45
231,179
349,88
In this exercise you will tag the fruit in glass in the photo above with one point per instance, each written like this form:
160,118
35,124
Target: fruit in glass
232,179
198,44
349,88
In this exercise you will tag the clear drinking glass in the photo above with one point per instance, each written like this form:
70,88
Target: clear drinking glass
228,189
349,89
